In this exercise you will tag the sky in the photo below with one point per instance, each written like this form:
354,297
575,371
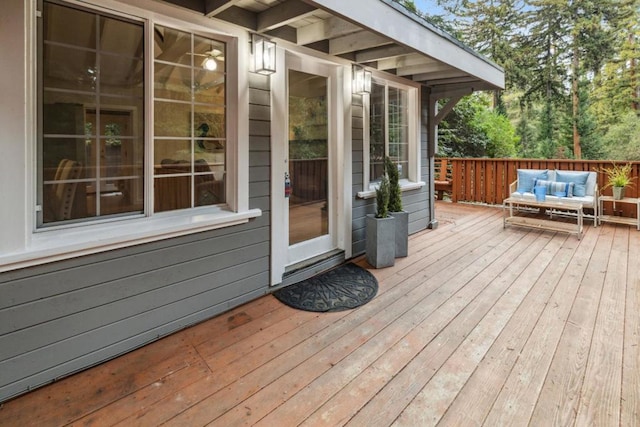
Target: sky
428,6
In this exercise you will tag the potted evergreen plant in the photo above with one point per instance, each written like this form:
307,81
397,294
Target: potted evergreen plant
381,230
395,208
618,178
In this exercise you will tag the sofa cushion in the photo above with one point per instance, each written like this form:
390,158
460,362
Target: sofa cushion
587,201
579,178
526,178
555,187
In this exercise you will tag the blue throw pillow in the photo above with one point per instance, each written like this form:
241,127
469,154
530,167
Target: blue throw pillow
578,178
526,178
554,188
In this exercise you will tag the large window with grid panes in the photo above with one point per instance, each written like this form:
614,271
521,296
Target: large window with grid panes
132,117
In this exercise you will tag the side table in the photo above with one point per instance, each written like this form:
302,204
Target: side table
619,219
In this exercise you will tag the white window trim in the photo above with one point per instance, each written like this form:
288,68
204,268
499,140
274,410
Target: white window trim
413,95
29,247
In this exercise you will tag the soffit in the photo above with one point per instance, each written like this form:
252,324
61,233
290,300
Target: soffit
376,33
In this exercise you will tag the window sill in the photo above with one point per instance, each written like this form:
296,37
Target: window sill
404,186
55,245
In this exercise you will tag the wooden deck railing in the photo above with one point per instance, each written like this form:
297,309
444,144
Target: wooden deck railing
487,180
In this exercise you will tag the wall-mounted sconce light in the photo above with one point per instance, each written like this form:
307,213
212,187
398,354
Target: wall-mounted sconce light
361,80
264,55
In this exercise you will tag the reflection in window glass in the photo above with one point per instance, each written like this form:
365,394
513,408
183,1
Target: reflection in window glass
92,103
189,120
308,150
388,129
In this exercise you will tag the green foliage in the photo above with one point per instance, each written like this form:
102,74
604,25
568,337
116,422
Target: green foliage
409,5
459,134
382,198
622,141
472,129
500,133
112,131
617,175
590,134
395,194
307,149
566,63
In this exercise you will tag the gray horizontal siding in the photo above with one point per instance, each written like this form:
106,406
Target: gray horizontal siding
58,318
361,207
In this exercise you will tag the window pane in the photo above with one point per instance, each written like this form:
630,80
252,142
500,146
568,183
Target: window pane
172,193
121,37
172,45
172,151
214,48
377,131
211,119
116,197
399,129
64,113
63,195
192,128
208,185
172,82
121,75
172,119
69,26
69,68
87,139
209,87
209,83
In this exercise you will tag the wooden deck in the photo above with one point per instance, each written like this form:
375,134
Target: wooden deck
480,325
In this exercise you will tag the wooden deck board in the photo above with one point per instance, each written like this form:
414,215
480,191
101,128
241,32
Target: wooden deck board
559,397
600,398
431,317
434,399
521,389
480,325
630,412
389,402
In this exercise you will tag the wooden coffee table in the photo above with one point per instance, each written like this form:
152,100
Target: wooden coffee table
510,216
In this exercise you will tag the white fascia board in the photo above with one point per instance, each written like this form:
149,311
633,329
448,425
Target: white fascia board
384,17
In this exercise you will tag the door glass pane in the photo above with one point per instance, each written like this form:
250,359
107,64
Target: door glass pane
308,157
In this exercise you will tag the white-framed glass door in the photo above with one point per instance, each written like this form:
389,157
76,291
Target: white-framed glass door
308,164
305,146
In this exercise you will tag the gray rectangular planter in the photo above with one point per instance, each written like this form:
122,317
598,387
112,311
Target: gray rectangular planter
381,237
402,233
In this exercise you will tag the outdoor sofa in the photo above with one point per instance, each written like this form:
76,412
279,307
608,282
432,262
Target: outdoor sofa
561,185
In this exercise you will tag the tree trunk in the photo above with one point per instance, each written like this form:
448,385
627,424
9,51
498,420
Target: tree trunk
577,149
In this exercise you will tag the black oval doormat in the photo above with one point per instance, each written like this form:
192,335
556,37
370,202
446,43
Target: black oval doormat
342,288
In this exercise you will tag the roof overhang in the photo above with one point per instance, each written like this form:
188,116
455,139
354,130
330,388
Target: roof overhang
380,34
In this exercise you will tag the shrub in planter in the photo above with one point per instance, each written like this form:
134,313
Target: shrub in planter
395,209
381,229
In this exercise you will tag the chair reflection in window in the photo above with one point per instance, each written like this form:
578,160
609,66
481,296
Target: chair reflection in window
60,201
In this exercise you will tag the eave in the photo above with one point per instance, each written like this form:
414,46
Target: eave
379,34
